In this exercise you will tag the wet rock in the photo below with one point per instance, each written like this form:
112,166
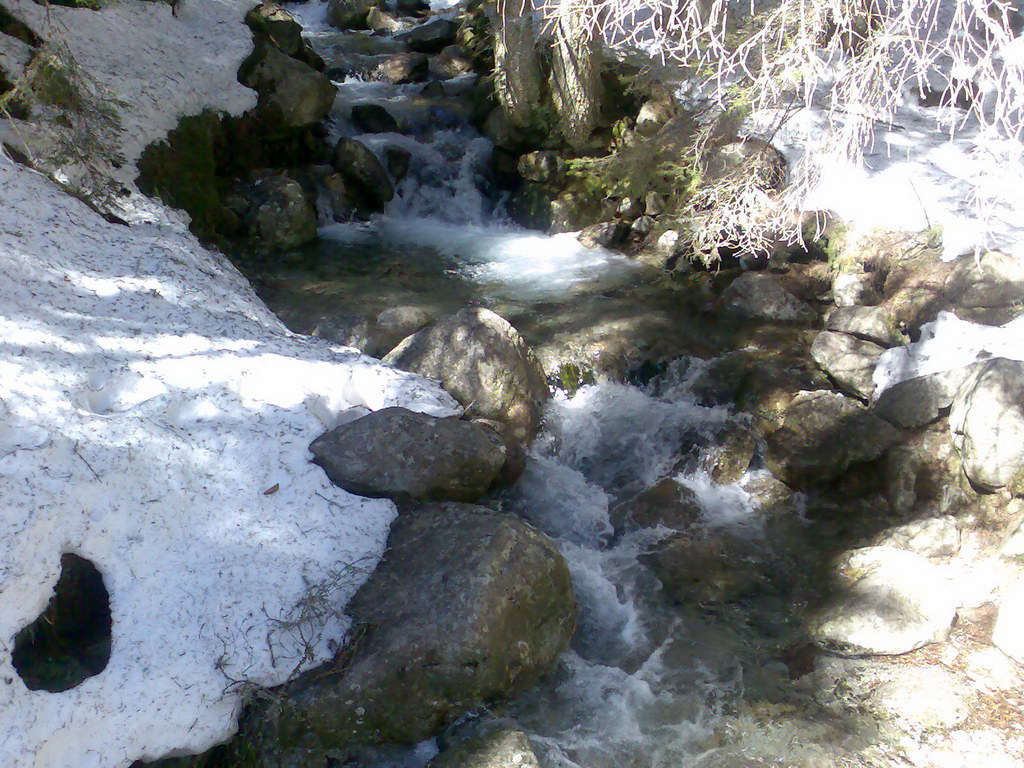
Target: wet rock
734,449
466,607
1008,633
663,253
654,204
888,601
991,280
607,234
366,179
484,363
452,61
280,215
931,537
630,208
348,14
705,569
987,422
404,455
412,7
273,21
343,207
757,296
875,324
823,433
431,37
540,166
291,93
849,361
402,68
397,160
373,118
382,21
499,747
667,503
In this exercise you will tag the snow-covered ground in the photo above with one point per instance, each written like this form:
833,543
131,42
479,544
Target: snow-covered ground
155,419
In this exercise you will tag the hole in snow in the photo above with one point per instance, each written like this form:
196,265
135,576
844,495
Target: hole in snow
70,640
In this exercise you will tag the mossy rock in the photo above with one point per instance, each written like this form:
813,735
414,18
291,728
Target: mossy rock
182,171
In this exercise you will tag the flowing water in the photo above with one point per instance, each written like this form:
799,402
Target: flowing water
647,681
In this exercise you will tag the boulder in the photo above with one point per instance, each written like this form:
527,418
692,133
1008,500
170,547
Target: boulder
848,361
822,434
431,37
1013,542
397,160
402,455
991,280
382,21
755,159
606,234
273,21
412,7
484,363
733,452
706,569
451,61
853,288
888,601
498,747
923,476
466,607
913,403
930,537
757,296
874,324
365,177
291,93
402,68
667,503
373,118
349,14
987,422
280,216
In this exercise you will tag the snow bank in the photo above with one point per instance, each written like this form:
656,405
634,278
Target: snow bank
155,419
147,401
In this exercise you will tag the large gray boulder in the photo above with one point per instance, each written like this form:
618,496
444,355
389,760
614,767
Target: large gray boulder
987,423
848,361
667,503
888,601
281,216
485,365
823,433
913,403
871,323
467,606
402,455
349,14
431,37
291,93
365,177
991,280
758,296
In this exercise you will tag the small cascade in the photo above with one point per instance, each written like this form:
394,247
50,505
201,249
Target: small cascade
647,679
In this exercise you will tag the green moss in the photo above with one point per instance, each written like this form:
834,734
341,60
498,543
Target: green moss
571,377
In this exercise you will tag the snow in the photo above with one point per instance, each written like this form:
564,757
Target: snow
155,419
